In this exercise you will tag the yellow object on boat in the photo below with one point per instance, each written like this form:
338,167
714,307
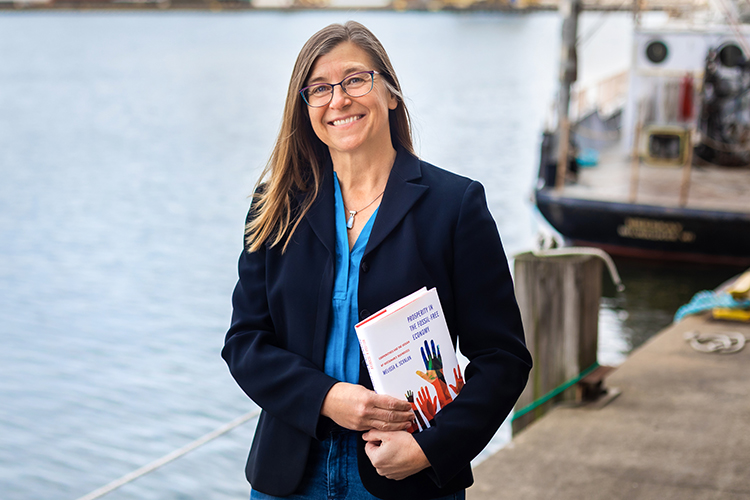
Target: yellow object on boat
731,314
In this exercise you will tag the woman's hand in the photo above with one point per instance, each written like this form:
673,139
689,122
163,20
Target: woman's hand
395,455
357,408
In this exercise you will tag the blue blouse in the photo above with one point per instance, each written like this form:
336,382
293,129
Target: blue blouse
342,347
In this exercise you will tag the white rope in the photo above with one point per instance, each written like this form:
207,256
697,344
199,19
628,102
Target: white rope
127,478
596,252
719,342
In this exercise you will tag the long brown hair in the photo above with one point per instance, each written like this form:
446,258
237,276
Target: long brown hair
298,157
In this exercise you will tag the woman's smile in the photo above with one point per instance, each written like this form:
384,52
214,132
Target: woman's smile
345,121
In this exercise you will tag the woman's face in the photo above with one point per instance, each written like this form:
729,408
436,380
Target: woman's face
350,125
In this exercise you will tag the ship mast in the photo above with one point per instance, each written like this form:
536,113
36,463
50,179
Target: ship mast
569,9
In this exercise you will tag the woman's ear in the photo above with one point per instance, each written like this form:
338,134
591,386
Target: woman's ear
392,101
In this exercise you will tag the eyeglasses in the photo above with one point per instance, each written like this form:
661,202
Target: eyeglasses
356,85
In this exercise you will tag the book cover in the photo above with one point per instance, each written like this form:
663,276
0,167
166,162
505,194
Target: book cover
409,354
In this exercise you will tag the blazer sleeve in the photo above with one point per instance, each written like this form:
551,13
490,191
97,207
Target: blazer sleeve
490,335
285,384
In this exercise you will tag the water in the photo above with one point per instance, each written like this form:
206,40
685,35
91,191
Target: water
128,145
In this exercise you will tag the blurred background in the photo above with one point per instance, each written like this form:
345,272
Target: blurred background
129,143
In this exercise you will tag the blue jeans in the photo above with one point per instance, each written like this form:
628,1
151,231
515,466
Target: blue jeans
332,473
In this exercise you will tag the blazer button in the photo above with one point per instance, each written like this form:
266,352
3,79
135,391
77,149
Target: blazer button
364,314
365,267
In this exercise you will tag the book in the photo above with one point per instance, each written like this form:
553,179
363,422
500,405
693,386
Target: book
409,354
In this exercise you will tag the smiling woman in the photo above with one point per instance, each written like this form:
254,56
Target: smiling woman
346,220
355,129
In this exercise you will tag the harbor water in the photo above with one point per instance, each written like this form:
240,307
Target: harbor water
129,143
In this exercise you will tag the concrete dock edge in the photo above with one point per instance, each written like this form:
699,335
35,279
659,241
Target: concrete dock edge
680,429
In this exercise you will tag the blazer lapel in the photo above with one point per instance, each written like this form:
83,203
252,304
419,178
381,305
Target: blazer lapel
400,195
321,220
321,214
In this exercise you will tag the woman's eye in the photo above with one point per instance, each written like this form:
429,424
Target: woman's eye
320,89
355,80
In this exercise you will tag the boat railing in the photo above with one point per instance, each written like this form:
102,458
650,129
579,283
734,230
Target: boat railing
605,96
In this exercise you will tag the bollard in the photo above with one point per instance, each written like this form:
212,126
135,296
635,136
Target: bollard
559,301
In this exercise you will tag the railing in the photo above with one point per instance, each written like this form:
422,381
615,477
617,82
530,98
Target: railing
606,95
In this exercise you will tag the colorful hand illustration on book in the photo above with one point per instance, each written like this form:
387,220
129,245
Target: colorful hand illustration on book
426,403
433,363
433,360
459,380
414,428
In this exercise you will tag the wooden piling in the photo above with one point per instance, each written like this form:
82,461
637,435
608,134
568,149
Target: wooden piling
559,301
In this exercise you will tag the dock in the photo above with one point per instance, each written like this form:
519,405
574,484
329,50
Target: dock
680,429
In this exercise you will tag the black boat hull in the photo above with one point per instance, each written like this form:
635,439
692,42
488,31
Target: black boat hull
648,231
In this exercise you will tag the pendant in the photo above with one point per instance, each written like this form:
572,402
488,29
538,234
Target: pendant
350,220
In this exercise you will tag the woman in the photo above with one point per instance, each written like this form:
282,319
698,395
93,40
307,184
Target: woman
347,221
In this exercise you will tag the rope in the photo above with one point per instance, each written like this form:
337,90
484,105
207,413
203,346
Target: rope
706,300
596,252
554,392
127,478
722,343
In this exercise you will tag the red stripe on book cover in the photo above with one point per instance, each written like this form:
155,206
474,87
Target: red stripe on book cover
379,313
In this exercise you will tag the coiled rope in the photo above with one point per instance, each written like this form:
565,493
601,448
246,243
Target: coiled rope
719,342
127,478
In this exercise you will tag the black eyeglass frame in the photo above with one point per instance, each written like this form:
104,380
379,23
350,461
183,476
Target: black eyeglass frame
372,74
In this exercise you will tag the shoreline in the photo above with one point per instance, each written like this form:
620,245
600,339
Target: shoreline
235,6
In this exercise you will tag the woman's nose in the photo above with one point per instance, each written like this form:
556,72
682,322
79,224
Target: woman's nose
340,98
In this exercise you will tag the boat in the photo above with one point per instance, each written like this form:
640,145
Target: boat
664,172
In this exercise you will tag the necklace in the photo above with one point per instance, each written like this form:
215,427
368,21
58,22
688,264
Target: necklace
352,213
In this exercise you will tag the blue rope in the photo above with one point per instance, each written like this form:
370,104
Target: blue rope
707,300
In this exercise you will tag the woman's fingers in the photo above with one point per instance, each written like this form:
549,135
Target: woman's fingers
389,420
357,408
381,412
395,455
399,408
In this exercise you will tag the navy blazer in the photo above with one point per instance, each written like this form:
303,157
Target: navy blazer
433,229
